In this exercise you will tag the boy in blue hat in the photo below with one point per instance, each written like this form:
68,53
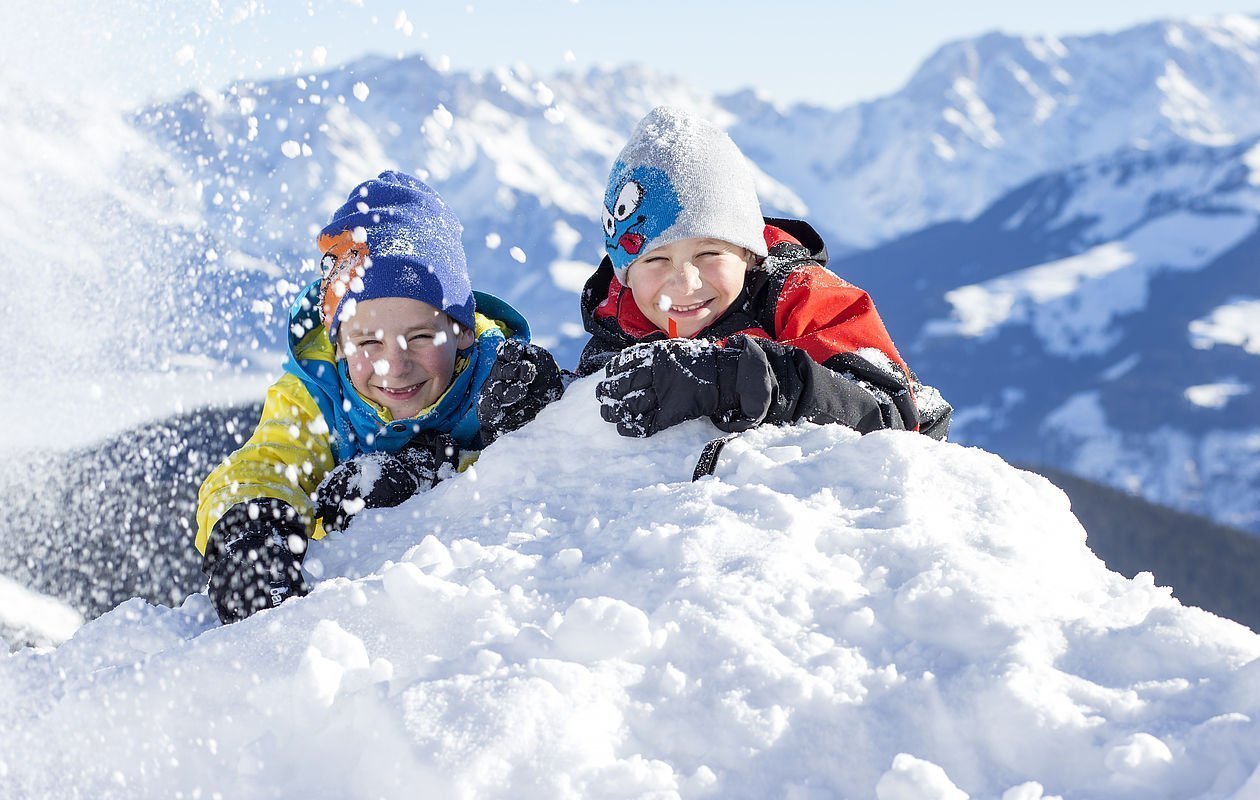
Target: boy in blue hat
396,367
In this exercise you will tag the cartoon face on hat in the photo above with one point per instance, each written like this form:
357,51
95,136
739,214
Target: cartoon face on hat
343,269
638,206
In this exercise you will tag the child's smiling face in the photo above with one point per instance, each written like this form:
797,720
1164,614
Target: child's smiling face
691,281
401,352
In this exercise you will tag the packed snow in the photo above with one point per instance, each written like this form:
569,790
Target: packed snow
828,615
28,616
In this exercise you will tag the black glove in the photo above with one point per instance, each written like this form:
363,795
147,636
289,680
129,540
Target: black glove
254,559
384,480
523,380
747,382
655,385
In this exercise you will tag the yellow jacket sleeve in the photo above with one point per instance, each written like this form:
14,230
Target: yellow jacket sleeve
285,459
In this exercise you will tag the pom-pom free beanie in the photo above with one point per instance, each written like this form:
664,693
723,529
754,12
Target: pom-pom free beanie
679,176
393,237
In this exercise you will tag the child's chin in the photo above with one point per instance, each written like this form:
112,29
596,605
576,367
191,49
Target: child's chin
403,410
690,328
407,411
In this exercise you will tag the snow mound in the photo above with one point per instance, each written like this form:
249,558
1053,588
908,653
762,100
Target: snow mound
29,616
827,616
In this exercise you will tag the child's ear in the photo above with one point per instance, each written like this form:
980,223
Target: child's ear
340,348
464,338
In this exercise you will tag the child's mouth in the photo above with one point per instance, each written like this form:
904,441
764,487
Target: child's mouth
688,309
403,392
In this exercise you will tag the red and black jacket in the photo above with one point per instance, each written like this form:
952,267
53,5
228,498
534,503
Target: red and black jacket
827,345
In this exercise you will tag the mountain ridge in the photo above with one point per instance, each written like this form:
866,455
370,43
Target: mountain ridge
1090,290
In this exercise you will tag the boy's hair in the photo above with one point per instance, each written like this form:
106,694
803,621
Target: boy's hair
393,237
679,177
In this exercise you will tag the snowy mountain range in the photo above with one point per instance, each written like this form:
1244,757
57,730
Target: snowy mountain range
1102,319
1089,183
982,116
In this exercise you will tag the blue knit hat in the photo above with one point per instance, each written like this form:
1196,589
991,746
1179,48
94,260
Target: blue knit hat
393,237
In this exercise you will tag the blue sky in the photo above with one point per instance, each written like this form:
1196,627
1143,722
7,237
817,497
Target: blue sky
828,52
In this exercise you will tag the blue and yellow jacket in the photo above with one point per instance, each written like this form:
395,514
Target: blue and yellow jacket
313,419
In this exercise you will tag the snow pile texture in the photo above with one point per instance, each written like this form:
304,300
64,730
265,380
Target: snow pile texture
827,616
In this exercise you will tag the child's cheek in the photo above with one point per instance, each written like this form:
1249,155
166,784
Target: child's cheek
360,367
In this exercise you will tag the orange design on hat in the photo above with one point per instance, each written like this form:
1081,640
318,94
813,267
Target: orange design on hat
344,264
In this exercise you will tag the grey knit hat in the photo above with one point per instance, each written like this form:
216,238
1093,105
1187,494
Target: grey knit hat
679,177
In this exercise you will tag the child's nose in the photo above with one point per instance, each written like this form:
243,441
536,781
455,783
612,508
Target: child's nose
401,363
397,360
688,276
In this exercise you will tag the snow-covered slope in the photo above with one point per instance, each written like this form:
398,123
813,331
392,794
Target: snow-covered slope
1100,319
828,616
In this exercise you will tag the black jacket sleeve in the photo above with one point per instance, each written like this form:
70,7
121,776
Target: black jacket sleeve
780,384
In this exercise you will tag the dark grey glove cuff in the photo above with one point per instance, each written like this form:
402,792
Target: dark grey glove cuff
746,385
253,521
259,570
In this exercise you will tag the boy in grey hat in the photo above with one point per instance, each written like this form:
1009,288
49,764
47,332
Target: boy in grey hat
705,308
